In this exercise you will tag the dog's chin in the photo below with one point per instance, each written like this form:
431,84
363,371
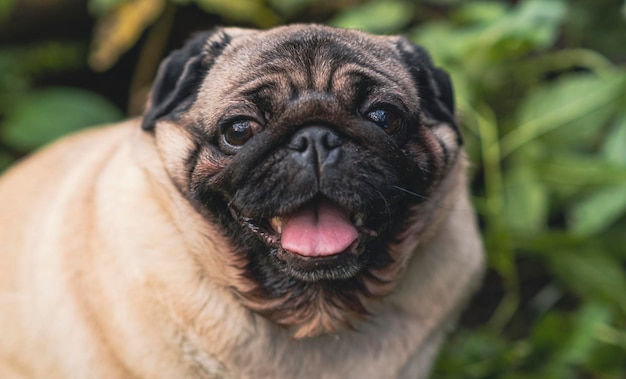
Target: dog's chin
313,250
344,265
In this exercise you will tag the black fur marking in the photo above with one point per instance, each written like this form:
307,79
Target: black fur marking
176,85
434,86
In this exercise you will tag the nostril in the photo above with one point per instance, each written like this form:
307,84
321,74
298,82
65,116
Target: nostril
331,141
300,143
316,146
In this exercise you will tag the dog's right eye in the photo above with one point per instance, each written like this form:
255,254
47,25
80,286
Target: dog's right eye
239,132
387,119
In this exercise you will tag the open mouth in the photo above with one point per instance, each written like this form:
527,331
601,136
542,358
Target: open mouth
318,235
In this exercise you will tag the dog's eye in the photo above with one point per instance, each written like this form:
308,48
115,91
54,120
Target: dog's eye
388,120
239,132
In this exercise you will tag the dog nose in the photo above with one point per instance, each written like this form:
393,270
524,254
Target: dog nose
316,146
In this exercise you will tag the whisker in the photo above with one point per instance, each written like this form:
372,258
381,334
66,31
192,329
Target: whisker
422,197
386,206
412,193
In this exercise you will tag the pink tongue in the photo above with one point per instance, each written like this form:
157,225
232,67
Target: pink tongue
321,229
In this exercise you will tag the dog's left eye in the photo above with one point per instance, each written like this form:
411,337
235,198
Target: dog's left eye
239,132
388,120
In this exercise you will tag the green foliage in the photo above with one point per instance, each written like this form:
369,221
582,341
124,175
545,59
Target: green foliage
5,161
599,210
591,273
45,115
289,7
28,117
19,66
241,10
382,17
541,94
6,6
101,7
546,131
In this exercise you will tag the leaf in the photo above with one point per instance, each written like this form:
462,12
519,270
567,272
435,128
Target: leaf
289,7
614,240
119,29
42,116
578,170
607,362
6,7
530,26
598,211
561,341
241,10
548,334
526,199
614,147
560,104
488,33
458,42
102,7
547,241
475,355
5,161
379,17
478,12
592,274
582,340
538,20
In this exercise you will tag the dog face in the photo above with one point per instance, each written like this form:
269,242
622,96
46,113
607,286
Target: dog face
317,152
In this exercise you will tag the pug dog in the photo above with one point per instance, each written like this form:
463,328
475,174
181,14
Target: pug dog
292,204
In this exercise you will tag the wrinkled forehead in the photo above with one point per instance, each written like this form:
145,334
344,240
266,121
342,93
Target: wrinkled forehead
306,45
312,58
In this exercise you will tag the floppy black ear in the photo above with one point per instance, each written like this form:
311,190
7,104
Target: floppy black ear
181,73
434,86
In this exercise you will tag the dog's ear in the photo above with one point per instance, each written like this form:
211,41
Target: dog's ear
180,75
434,86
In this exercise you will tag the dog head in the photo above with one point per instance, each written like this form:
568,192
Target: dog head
317,152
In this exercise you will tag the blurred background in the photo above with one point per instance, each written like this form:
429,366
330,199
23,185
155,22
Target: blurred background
541,94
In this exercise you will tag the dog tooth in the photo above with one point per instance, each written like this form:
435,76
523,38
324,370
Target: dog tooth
359,220
277,224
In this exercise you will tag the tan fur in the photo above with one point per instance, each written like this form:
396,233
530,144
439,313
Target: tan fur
105,274
108,271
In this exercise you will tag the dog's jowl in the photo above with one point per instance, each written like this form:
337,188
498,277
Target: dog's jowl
292,204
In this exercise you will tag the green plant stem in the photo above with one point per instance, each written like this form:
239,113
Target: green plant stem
509,304
488,132
502,256
562,60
